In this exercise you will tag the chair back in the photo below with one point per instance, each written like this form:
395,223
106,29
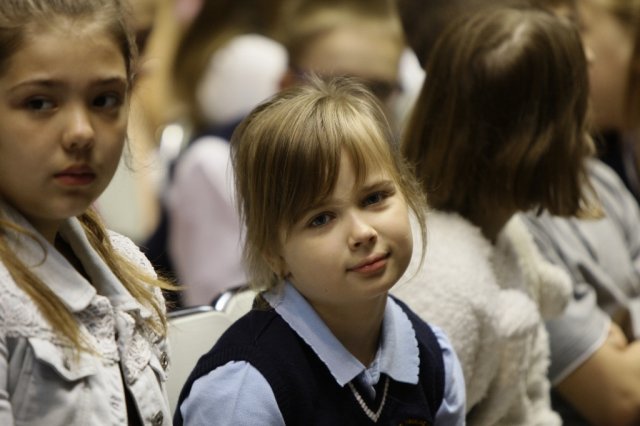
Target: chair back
192,333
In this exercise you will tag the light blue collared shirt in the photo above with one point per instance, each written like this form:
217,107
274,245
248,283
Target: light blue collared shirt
237,394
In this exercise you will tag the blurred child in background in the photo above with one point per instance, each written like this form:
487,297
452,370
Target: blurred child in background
486,146
611,30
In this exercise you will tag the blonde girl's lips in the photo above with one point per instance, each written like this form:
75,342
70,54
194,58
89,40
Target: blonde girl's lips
371,266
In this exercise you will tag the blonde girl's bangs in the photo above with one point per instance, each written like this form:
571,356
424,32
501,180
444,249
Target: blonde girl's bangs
359,135
369,149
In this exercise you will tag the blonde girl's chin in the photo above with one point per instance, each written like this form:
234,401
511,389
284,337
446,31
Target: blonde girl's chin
382,288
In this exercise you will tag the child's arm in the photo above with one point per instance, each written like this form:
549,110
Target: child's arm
605,389
233,394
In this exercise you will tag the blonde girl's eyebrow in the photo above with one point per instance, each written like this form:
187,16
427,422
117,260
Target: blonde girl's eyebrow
377,185
315,208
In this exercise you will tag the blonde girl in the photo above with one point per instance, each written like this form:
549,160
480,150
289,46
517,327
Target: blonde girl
325,199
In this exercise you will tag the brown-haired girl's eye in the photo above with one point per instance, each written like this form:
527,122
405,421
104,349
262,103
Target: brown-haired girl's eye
107,101
39,104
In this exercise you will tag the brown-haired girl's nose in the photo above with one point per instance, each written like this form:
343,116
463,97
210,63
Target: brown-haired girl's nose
79,133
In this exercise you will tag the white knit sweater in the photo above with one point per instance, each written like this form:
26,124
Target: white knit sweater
491,300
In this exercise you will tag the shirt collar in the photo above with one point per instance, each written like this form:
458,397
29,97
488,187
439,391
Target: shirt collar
398,354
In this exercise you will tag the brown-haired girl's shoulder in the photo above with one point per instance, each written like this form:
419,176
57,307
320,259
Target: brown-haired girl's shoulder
130,251
19,316
126,248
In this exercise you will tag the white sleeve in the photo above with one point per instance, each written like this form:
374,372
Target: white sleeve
205,241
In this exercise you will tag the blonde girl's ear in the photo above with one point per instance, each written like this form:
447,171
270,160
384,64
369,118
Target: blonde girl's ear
277,264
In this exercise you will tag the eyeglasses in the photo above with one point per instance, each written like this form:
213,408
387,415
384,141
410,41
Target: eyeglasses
382,89
141,38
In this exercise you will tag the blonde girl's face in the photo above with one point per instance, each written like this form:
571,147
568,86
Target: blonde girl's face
354,246
63,119
611,46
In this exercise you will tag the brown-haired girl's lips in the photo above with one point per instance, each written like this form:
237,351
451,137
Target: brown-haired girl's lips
77,175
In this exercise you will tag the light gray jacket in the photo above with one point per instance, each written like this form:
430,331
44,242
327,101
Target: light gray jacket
41,381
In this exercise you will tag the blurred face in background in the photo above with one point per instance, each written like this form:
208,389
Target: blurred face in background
362,49
144,15
611,44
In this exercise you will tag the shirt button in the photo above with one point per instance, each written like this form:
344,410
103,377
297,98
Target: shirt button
164,360
157,419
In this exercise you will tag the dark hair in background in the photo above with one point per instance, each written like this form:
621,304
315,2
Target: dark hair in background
501,120
424,20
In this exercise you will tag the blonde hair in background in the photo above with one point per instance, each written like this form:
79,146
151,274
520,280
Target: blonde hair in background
286,155
17,19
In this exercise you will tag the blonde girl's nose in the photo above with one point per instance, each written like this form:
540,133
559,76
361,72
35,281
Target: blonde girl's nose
361,233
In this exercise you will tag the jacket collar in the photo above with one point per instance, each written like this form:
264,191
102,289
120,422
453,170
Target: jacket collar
48,264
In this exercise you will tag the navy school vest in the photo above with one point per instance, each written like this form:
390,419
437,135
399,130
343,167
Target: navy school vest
305,390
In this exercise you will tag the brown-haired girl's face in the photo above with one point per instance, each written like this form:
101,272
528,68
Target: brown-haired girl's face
354,245
612,47
63,119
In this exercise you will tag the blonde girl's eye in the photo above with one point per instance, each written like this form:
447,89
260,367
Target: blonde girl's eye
376,198
373,198
320,220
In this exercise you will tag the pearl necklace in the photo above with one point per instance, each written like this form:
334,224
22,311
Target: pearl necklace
373,416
